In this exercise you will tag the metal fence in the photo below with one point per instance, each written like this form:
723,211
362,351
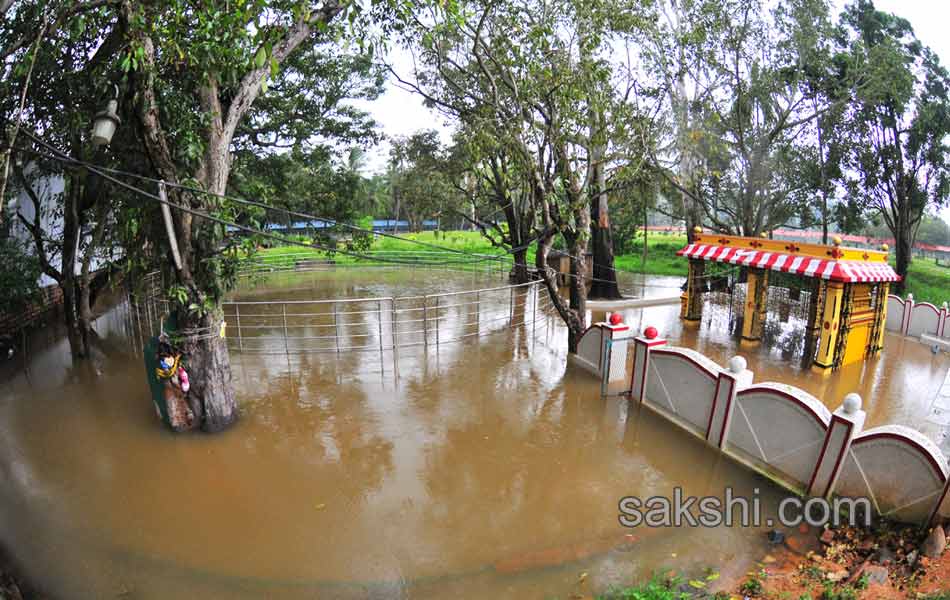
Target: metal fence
385,326
145,309
394,259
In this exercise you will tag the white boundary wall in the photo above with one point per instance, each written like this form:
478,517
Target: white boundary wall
917,319
784,432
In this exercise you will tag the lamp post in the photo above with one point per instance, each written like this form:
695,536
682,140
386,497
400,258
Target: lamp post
105,122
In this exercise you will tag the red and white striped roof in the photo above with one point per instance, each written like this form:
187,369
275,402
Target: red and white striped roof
850,271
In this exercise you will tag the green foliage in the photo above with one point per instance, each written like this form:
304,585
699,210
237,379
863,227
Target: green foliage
421,178
899,121
752,586
19,273
928,282
658,588
933,230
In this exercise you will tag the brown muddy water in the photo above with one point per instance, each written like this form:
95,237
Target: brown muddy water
487,469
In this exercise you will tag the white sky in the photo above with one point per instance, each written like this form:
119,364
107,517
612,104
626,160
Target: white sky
400,112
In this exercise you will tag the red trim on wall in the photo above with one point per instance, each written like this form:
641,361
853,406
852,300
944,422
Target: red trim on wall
840,459
712,411
860,439
753,389
928,305
704,370
725,418
824,448
936,510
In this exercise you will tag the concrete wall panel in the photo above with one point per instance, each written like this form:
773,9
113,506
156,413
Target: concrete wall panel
898,469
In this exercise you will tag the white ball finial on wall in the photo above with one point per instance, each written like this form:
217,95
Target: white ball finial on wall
737,364
852,403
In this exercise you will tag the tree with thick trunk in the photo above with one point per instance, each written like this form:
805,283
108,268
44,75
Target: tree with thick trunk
223,106
604,285
899,124
494,183
528,90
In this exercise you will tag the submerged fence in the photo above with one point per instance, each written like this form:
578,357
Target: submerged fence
394,259
383,325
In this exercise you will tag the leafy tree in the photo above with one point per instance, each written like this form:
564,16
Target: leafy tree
679,53
19,272
420,178
299,183
899,121
933,230
496,185
522,73
196,72
59,56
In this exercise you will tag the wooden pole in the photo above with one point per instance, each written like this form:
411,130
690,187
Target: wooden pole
169,225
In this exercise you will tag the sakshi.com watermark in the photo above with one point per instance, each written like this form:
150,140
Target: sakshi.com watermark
734,509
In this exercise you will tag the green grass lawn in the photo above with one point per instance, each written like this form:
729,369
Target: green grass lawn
926,280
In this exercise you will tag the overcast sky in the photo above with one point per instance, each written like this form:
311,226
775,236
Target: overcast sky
401,113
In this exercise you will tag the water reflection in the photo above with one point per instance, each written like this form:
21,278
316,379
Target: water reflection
487,469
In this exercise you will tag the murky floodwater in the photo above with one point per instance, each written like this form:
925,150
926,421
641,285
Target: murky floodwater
488,469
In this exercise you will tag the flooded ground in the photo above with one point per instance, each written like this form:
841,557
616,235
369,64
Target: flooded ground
487,469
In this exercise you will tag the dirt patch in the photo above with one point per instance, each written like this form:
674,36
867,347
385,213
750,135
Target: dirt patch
885,563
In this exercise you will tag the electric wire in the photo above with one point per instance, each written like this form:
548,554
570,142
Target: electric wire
503,256
476,258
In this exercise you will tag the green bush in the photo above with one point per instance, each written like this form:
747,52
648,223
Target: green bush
19,274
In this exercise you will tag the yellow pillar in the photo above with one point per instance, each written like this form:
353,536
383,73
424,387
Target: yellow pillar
755,303
882,291
834,293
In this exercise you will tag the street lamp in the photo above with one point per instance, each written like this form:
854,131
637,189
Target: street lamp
105,123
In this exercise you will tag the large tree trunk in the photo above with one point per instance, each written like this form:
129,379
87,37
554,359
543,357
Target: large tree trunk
904,250
575,324
209,368
578,289
520,267
693,214
604,285
208,359
74,334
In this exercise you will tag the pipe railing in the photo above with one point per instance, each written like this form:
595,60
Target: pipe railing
400,259
385,324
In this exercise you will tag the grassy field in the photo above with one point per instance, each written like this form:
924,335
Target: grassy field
926,281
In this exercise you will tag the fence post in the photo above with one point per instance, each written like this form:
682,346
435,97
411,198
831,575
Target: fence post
846,422
511,305
478,313
336,326
534,319
613,365
437,303
641,361
237,317
392,303
425,321
379,321
908,314
283,308
728,383
942,321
